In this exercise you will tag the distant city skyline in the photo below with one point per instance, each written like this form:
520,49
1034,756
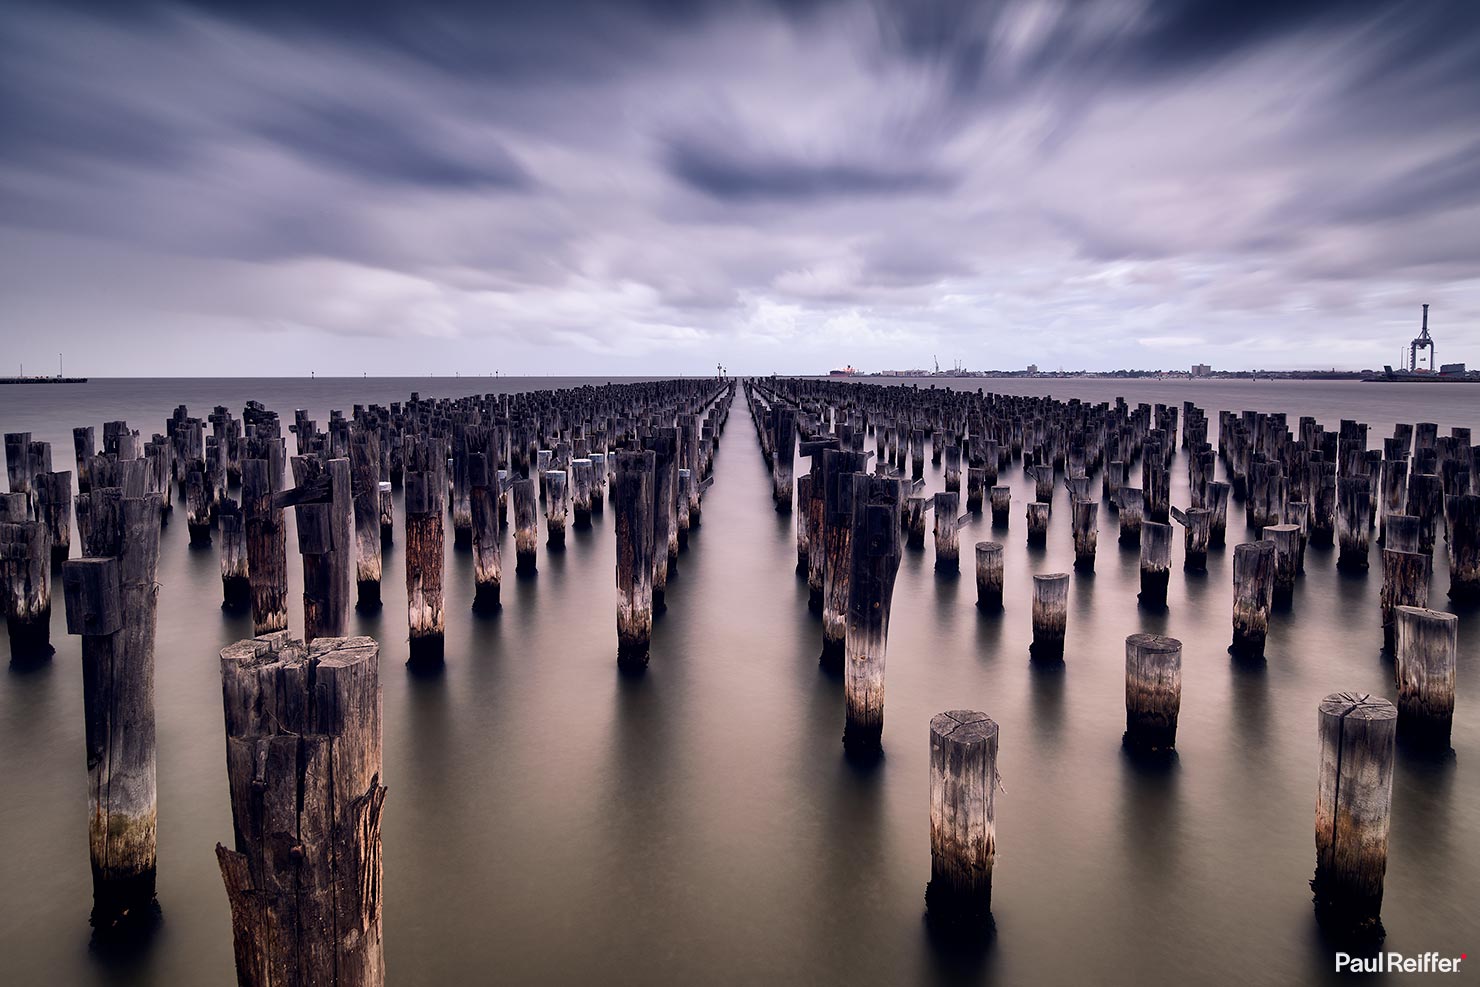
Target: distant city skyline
629,187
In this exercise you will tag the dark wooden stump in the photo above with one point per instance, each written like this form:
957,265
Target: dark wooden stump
1353,804
303,759
963,832
1050,616
1153,692
1426,647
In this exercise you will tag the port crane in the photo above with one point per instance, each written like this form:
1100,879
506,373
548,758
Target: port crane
1423,341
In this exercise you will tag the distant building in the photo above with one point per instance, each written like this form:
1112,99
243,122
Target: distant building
1201,370
1032,368
1451,368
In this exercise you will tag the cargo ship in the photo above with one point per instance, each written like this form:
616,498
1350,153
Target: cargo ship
848,371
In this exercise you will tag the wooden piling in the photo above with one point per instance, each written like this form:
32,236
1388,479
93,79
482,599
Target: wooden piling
1426,649
1358,735
267,547
1216,501
1050,615
526,525
1131,503
425,549
947,532
1353,509
364,463
804,495
632,503
303,758
1001,504
25,580
325,516
1083,516
483,505
1286,540
1156,563
1153,692
963,833
53,501
1038,515
557,501
1253,593
112,602
1464,547
989,576
236,582
874,548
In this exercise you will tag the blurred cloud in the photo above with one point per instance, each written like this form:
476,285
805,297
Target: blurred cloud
611,186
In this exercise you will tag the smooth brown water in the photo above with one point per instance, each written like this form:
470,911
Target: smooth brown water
550,821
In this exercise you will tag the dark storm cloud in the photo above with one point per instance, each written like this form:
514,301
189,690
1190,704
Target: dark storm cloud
666,177
725,172
381,146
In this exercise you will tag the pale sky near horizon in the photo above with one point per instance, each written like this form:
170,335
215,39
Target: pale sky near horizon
656,186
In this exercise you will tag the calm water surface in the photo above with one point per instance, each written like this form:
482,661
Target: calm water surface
550,821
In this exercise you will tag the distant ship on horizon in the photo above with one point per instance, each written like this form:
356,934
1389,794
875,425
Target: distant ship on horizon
848,371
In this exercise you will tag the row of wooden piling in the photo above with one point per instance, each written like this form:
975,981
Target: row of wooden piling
303,717
1324,487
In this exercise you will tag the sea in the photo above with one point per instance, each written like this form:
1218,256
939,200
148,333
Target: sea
551,821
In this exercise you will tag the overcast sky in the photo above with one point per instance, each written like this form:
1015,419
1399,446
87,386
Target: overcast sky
615,187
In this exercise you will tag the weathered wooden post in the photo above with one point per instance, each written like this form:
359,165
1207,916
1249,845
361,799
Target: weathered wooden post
53,496
1001,505
1130,511
1286,539
1083,519
664,444
838,471
583,482
324,511
426,496
1405,583
989,572
632,502
782,457
1050,615
84,443
557,499
236,581
303,759
526,525
976,486
483,503
364,464
915,509
1353,509
1353,804
387,514
25,579
1217,506
1038,515
1156,563
1253,593
1426,502
947,531
1197,526
112,602
963,832
1464,547
804,535
267,546
198,504
1427,645
1153,692
874,552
